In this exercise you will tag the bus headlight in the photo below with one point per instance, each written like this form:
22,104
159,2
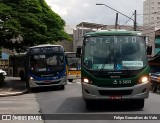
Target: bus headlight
144,79
86,80
31,78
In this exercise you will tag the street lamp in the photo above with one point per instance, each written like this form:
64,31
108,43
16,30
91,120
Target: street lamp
121,14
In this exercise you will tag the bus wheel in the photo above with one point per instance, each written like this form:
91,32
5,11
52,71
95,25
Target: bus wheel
21,74
28,87
154,87
139,103
62,87
70,80
89,104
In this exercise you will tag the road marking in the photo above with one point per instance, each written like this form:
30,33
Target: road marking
73,83
10,89
78,82
69,83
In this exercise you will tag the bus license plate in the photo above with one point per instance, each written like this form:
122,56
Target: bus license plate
47,81
115,97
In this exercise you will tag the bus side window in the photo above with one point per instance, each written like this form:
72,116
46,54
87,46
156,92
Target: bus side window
66,59
59,60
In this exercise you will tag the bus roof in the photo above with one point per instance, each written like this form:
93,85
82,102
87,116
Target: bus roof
70,52
113,32
18,55
45,45
45,48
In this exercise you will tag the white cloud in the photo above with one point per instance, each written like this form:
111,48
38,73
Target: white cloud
85,4
58,8
76,11
61,11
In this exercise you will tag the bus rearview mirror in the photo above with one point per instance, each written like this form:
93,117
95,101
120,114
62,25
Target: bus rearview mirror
149,50
78,52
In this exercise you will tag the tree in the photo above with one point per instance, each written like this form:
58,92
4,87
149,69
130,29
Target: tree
25,23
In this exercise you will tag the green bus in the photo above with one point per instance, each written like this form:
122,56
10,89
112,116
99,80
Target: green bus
114,66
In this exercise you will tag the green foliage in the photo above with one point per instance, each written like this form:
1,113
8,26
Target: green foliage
30,22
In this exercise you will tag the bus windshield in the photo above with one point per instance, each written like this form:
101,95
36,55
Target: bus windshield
74,63
114,53
46,62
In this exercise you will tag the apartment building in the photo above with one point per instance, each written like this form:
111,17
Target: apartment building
151,13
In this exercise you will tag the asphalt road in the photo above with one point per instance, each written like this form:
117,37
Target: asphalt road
70,102
52,100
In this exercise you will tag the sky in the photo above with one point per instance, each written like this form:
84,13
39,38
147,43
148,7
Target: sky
74,12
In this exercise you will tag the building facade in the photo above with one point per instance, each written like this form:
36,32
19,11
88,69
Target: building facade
151,13
81,29
67,45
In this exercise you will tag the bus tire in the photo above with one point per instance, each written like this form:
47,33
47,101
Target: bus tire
70,80
62,87
139,103
89,104
154,87
28,86
21,75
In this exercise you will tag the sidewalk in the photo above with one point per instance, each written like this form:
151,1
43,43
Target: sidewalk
13,86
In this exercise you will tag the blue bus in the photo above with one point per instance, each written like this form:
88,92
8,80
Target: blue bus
45,66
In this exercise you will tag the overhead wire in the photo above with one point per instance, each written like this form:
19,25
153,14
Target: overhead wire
128,20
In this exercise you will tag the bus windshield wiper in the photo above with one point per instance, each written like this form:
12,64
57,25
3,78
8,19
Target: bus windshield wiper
103,65
116,61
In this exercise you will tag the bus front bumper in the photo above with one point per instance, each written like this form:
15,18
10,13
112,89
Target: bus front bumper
58,82
92,92
73,76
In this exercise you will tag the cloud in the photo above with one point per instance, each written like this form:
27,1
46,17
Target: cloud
76,11
60,11
85,4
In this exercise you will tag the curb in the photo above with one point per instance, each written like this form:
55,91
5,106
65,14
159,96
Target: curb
6,94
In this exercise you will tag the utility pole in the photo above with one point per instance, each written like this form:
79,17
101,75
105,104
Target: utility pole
116,23
135,15
135,20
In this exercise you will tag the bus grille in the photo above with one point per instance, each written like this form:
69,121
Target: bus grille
43,83
115,92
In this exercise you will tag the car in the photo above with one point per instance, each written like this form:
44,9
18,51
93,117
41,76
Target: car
3,72
155,80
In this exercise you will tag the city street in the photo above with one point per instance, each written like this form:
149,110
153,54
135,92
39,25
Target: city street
52,100
93,61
